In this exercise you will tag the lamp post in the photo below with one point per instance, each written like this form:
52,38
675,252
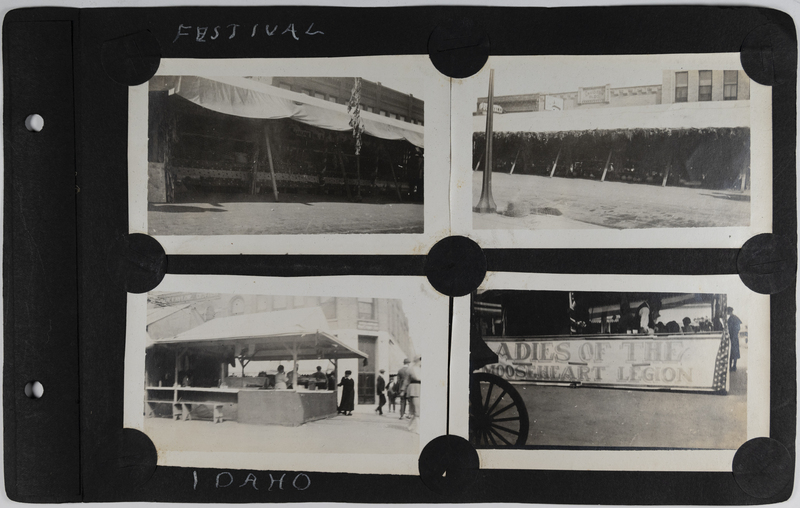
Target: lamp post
486,203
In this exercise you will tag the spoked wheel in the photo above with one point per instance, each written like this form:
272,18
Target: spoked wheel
497,414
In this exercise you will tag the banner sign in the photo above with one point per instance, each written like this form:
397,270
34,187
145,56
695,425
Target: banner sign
594,94
682,362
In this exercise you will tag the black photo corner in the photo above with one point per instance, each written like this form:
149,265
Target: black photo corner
69,260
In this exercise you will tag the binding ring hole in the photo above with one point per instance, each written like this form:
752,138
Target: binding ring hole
34,390
34,123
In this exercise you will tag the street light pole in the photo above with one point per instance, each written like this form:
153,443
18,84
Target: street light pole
486,203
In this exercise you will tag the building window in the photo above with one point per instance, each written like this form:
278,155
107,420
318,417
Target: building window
328,306
286,86
681,86
401,118
332,98
319,95
366,308
307,92
392,115
278,302
704,90
370,109
383,113
730,91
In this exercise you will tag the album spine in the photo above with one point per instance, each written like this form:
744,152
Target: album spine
40,298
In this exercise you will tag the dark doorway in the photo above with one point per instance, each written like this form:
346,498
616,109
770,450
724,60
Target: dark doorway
366,374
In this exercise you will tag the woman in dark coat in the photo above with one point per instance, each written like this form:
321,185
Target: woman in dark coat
348,394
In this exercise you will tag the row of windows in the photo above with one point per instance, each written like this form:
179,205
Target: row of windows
366,306
333,98
730,86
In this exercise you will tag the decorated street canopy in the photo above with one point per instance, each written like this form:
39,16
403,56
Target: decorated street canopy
690,116
248,98
302,334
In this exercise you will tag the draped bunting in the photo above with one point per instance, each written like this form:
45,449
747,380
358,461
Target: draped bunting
252,99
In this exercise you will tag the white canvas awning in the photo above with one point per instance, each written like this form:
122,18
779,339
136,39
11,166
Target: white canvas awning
269,336
248,98
690,115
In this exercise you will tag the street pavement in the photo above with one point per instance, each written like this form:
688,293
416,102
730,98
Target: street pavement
567,203
602,417
269,218
363,432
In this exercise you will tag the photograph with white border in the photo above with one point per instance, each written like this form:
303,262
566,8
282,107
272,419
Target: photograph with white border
622,151
314,374
610,372
290,155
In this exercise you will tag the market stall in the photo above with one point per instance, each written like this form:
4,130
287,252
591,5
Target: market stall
187,374
597,339
244,136
702,144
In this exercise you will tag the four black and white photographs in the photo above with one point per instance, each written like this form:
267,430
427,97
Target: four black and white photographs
622,151
383,155
308,374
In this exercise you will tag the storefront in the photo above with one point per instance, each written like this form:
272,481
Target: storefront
187,375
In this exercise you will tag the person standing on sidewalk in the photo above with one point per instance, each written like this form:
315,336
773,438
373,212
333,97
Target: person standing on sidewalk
381,386
402,374
348,394
734,325
412,389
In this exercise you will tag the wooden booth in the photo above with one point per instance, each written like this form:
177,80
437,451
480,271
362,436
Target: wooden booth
188,377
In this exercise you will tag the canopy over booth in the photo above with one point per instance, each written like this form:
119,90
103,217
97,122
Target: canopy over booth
297,334
253,99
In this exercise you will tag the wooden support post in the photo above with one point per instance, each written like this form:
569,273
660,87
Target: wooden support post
344,173
335,379
271,165
513,164
478,165
666,175
254,181
605,169
553,171
294,376
394,178
358,177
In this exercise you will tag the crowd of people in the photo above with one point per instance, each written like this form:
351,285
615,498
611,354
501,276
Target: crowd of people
404,386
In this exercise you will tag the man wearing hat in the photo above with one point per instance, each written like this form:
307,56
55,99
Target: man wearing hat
402,374
381,386
412,391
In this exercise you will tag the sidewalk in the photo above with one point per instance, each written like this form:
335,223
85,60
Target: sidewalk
364,432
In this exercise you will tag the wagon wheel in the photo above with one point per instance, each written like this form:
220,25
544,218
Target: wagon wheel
497,413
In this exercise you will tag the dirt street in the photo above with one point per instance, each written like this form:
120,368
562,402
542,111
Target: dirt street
602,417
265,218
606,204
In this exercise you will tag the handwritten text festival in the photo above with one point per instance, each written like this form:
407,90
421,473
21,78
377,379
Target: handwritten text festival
226,32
